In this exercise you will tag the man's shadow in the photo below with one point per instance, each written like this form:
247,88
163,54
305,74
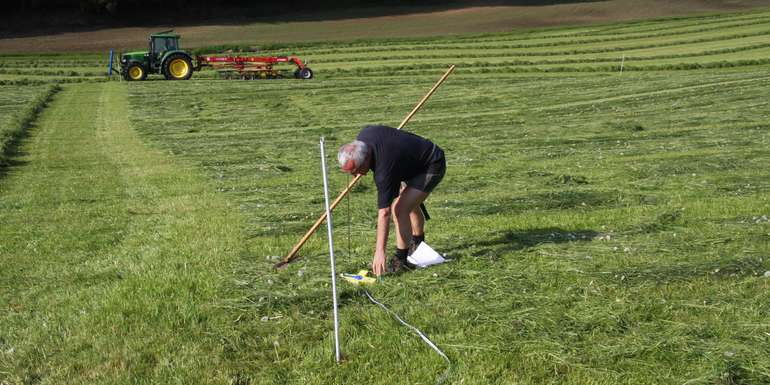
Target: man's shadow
508,241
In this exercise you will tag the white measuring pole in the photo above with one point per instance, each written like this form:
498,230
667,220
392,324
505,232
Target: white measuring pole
331,253
622,62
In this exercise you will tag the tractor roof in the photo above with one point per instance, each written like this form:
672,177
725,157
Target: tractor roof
165,34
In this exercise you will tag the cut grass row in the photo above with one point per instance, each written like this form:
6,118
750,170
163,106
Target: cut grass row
701,43
733,31
693,53
53,68
489,68
19,109
52,73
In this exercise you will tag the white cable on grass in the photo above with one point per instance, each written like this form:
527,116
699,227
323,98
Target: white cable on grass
430,343
419,333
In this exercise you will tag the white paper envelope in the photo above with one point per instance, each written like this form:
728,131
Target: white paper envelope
425,256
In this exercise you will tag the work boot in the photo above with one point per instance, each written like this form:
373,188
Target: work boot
398,265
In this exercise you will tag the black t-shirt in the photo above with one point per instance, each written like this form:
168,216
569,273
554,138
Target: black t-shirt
396,156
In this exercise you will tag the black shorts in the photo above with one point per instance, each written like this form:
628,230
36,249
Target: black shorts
427,181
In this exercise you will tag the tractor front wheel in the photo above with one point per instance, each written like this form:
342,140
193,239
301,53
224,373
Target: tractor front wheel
135,72
306,73
177,67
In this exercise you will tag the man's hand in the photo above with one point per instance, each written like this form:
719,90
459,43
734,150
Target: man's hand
383,225
378,263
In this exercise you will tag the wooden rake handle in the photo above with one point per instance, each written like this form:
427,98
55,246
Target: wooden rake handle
425,98
293,253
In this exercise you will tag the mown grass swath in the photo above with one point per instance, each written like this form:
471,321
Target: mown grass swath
603,227
18,118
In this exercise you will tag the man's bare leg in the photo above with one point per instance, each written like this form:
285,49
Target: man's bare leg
417,219
404,208
417,222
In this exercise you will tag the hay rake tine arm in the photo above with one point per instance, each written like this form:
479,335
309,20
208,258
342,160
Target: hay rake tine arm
293,253
247,64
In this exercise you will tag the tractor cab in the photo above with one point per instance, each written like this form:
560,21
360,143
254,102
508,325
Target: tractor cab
163,57
161,43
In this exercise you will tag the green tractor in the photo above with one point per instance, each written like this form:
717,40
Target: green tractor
164,57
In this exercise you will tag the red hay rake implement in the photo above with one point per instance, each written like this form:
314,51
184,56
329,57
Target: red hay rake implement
253,67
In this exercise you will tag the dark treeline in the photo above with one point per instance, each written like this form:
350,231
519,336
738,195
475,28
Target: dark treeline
135,7
23,17
127,7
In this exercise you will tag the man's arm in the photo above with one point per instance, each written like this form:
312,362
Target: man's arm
383,226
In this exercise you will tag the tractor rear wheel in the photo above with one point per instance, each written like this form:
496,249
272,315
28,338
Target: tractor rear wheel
135,72
306,73
177,67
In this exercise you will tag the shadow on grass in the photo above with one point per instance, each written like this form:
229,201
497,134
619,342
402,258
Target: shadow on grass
552,200
568,199
723,268
511,241
12,161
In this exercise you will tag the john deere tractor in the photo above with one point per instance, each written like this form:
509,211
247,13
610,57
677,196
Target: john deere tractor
164,57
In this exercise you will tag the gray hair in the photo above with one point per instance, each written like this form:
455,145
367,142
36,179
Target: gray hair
355,151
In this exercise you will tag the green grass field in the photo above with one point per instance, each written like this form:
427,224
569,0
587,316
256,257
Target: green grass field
604,227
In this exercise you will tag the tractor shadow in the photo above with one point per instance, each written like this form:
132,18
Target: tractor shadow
509,241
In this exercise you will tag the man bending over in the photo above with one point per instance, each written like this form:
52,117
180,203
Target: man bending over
396,157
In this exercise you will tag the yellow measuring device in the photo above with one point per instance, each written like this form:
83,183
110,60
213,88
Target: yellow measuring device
362,278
